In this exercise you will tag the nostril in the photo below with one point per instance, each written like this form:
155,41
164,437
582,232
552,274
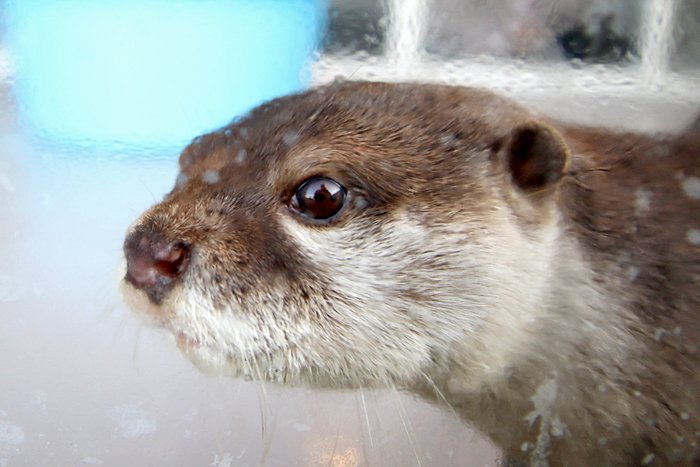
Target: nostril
172,260
153,264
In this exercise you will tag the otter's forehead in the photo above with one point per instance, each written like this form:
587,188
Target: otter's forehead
393,140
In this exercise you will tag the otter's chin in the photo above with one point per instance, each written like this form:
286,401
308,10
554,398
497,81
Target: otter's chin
208,360
185,342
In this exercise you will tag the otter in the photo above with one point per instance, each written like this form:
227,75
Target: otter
540,279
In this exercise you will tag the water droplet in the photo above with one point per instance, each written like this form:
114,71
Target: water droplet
659,334
241,156
693,236
290,137
133,422
226,460
211,176
10,433
181,179
92,461
691,187
642,201
633,273
300,427
558,428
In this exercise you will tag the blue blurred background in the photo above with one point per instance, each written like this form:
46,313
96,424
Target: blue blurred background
153,73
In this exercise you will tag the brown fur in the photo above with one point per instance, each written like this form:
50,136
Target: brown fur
618,371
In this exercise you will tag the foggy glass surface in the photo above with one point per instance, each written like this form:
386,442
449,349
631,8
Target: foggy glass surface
595,32
355,26
686,36
85,382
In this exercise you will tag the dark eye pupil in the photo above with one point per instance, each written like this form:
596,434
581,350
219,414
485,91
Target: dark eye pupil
320,198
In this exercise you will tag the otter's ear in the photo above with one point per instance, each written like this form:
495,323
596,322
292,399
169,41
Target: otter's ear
536,156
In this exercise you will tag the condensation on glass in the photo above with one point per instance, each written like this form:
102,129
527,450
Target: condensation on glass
686,36
355,26
595,31
591,31
608,57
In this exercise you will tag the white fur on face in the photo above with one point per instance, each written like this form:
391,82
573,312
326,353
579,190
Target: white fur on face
400,296
254,337
411,292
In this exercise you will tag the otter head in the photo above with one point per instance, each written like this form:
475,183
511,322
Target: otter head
353,235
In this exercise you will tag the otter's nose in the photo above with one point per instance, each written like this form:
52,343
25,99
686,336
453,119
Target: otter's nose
154,264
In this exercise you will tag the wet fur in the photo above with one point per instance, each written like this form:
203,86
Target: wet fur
559,316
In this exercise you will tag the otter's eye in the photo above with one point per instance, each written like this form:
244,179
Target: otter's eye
319,198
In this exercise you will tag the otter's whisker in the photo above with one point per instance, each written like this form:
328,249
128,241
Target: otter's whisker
266,428
364,410
407,426
439,393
